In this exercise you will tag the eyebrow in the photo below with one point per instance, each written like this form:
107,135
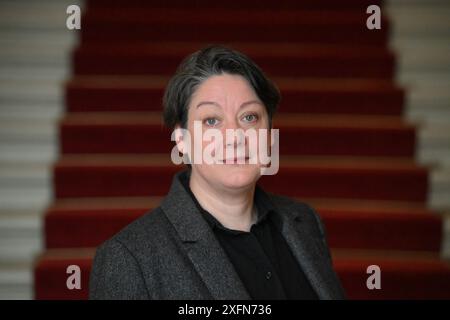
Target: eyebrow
218,105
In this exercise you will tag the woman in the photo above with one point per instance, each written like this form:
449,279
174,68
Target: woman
217,235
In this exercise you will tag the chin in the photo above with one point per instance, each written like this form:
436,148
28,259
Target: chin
238,176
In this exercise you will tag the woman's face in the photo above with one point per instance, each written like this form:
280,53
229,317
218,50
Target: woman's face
227,102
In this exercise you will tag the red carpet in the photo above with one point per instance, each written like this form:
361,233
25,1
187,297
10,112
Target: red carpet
134,175
345,147
401,273
224,25
290,59
79,222
301,135
335,96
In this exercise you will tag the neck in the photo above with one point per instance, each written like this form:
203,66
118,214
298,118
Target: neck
234,209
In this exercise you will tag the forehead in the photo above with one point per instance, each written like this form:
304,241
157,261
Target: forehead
224,89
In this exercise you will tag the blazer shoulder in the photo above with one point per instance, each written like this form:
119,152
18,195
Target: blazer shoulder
145,232
123,266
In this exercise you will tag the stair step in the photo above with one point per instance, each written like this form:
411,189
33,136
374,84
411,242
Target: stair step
299,134
24,184
45,16
82,222
433,142
140,93
284,59
115,23
440,188
339,177
27,130
25,174
25,55
407,15
50,273
420,58
16,281
28,152
45,112
39,39
20,235
24,197
29,91
404,275
284,4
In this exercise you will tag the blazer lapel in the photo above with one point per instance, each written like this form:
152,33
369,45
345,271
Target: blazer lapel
203,249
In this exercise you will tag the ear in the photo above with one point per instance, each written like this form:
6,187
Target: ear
179,139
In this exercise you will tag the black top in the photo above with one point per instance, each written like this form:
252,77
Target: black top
262,258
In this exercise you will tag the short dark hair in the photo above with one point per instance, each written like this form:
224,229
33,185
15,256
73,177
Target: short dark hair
210,61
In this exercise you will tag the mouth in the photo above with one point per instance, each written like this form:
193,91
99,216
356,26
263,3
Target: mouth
235,160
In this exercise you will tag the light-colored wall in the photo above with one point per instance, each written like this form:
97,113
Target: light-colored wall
34,62
420,36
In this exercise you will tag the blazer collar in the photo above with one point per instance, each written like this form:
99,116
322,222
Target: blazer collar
211,261
309,255
203,249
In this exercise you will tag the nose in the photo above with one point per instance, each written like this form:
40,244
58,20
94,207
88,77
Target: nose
234,135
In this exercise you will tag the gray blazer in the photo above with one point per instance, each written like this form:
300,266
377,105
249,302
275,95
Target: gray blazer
172,253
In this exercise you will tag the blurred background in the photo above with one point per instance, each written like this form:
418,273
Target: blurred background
364,129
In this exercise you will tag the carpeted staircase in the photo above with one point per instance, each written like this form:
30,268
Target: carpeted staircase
345,147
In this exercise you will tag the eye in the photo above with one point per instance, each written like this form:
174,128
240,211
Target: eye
211,122
250,118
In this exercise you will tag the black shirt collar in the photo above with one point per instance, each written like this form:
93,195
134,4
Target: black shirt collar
263,204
